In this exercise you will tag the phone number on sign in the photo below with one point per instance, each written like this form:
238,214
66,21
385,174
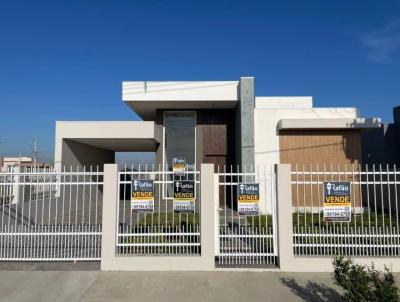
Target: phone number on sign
142,207
336,214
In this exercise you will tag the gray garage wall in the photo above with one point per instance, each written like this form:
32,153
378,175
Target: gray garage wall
79,155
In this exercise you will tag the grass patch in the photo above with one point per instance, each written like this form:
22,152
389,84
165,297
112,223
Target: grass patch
169,219
260,220
315,220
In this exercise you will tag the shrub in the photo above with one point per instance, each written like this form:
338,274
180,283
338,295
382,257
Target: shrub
362,283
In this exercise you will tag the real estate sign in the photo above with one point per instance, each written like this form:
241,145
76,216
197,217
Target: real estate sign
178,166
142,197
248,198
184,196
337,201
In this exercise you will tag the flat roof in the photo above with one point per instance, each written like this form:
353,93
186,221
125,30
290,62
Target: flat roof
284,102
329,123
146,97
113,136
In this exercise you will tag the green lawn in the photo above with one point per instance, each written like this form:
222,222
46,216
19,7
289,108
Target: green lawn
315,220
169,219
375,219
264,220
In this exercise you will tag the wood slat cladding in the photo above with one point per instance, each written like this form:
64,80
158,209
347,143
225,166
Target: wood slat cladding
336,149
215,140
216,136
311,147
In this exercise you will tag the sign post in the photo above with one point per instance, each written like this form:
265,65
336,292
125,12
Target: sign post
248,199
337,201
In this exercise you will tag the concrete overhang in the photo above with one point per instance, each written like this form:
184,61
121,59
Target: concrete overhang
146,97
329,123
113,136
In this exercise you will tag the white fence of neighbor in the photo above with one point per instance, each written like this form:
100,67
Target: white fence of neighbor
373,229
10,190
161,230
56,215
246,240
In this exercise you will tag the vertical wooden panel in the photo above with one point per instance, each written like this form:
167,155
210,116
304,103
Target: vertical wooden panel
320,147
334,149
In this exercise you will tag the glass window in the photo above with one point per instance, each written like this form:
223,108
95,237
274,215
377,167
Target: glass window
180,129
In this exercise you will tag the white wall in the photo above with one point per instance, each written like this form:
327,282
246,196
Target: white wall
183,90
283,102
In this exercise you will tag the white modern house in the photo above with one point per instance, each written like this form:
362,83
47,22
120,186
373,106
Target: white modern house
220,122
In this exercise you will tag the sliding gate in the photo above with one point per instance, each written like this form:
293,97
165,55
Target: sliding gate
246,240
49,215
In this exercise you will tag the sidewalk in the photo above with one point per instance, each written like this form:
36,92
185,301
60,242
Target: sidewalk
71,286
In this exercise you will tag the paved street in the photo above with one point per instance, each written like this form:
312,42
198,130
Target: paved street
34,284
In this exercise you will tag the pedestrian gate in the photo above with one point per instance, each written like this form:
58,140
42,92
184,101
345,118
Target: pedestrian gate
246,240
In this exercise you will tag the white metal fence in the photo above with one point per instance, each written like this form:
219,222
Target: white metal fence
56,215
161,231
374,226
10,191
246,240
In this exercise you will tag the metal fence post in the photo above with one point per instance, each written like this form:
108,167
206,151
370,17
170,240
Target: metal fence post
15,186
208,213
284,215
110,199
216,213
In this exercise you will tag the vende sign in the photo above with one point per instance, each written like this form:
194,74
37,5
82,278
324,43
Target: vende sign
337,201
184,196
142,196
248,199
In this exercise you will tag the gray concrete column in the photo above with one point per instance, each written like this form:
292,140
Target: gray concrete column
245,123
284,216
110,198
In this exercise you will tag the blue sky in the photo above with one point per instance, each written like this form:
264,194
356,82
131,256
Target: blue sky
65,60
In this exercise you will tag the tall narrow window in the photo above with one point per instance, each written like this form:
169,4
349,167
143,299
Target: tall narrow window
180,140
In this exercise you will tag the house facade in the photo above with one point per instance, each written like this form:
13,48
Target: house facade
220,122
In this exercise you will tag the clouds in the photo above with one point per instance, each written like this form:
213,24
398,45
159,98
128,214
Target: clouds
383,45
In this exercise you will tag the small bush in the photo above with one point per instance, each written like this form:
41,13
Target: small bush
362,283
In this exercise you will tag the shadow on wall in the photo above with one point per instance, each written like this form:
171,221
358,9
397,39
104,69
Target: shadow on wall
382,145
312,291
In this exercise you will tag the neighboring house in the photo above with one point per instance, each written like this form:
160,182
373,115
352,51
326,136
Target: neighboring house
220,122
26,162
